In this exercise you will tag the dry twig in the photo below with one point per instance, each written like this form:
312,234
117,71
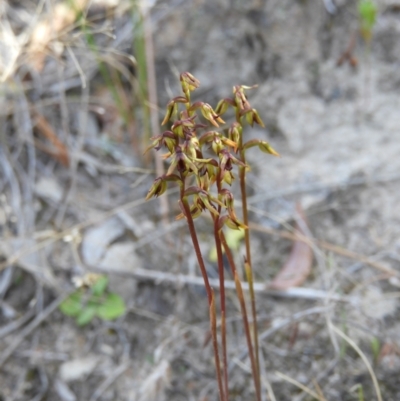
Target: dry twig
31,327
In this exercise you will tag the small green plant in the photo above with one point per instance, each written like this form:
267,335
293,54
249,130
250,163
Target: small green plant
357,389
367,11
202,162
376,348
93,299
233,239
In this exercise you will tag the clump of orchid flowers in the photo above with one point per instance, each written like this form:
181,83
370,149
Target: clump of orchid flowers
204,187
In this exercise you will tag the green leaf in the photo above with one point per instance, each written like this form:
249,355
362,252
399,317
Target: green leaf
376,348
367,10
86,315
234,237
112,307
213,254
72,305
100,286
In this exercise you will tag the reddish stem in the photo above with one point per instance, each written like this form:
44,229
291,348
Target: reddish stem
246,325
223,305
209,291
196,246
213,322
249,270
222,289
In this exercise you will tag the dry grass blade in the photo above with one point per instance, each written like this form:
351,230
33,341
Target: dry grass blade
300,386
296,317
180,279
16,324
156,382
269,388
318,388
363,357
325,245
31,326
110,379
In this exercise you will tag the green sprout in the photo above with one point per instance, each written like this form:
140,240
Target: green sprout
93,300
367,11
359,392
376,348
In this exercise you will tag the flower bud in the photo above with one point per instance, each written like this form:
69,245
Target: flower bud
179,126
204,182
172,110
207,137
257,118
226,198
191,82
226,160
240,98
228,177
235,132
181,162
267,148
231,223
223,105
252,117
210,115
188,83
217,145
206,200
158,188
230,143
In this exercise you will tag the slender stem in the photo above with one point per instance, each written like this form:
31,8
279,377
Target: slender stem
196,246
209,291
223,305
213,322
242,178
246,325
222,289
248,265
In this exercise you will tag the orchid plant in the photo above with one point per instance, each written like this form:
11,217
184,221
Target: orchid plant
204,184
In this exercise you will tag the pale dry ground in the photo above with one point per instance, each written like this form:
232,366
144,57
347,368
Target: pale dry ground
74,201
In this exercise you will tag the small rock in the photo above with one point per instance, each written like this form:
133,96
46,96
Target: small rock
119,257
97,239
375,305
77,369
49,189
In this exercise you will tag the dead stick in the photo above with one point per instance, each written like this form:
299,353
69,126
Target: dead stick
325,245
